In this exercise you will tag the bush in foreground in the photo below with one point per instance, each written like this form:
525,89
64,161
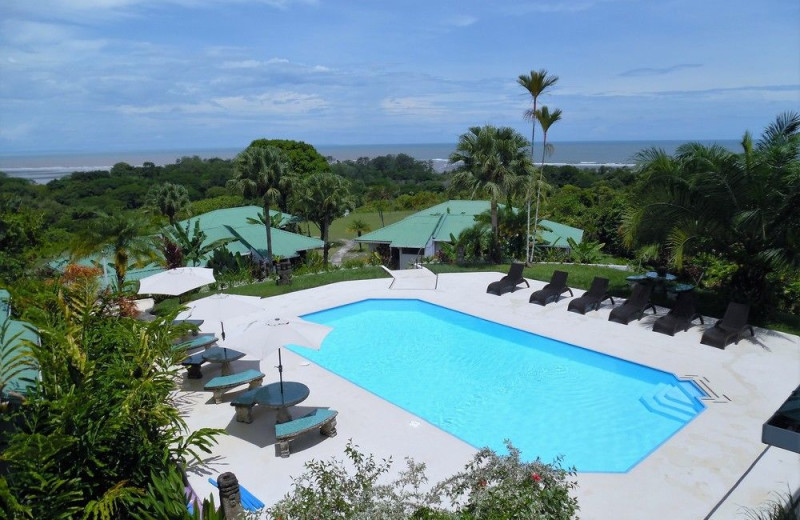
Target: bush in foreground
491,486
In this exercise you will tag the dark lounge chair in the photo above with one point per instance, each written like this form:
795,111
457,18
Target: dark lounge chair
591,299
634,307
730,328
509,282
680,317
553,290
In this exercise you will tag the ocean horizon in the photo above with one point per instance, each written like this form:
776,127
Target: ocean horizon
42,167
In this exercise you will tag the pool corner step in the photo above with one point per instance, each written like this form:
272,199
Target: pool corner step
669,402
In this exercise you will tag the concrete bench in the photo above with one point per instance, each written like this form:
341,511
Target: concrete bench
188,344
321,418
244,404
220,384
193,364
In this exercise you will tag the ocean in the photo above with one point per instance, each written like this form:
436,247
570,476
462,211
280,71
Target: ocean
44,167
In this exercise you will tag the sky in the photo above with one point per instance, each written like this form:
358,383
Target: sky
107,75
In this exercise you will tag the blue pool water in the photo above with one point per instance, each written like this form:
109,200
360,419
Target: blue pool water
484,382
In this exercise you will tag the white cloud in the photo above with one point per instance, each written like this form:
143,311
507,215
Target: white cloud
275,103
16,132
462,20
411,106
242,64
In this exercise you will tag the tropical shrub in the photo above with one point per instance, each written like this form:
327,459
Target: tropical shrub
587,252
782,507
744,206
494,486
101,418
491,486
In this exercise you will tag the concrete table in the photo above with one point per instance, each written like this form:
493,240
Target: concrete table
271,397
224,356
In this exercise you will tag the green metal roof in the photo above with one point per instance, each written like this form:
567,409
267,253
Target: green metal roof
232,223
233,217
436,222
284,243
451,218
556,235
413,231
20,331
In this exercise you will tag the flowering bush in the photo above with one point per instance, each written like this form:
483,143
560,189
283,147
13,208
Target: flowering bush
491,487
498,487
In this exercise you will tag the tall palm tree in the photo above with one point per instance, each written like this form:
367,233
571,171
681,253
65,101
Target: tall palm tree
323,197
259,172
169,199
546,120
492,159
535,83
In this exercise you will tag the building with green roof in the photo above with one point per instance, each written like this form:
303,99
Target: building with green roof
13,336
421,234
248,238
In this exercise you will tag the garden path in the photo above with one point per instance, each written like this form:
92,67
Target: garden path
338,256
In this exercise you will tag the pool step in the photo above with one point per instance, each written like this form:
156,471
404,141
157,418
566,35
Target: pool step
671,402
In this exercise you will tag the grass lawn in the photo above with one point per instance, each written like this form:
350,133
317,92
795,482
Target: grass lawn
339,226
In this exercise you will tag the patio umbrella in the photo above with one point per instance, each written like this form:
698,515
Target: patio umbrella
174,282
261,334
219,307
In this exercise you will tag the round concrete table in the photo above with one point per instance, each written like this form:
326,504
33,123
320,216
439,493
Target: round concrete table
224,356
271,397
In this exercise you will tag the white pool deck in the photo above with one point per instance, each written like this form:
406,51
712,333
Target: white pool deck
712,468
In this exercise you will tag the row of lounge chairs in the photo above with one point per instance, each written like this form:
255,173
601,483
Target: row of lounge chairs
725,331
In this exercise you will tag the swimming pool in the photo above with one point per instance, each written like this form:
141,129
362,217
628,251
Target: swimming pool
484,382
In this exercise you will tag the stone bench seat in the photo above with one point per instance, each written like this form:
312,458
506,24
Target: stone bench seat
244,404
321,418
220,384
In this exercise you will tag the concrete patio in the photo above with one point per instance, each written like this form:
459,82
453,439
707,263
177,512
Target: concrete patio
712,468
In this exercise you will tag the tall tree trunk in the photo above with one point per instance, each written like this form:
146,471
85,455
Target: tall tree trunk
267,223
495,233
528,251
538,194
325,244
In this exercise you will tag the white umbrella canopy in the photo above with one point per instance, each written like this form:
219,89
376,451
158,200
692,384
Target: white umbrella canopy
262,334
220,307
174,282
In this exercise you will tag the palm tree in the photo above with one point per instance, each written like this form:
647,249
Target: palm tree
169,199
546,120
492,161
535,83
259,172
744,208
124,235
323,197
358,226
193,242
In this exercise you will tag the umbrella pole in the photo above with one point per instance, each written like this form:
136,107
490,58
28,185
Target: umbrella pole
280,371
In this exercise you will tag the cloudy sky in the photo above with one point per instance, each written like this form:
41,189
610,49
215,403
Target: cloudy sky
97,75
